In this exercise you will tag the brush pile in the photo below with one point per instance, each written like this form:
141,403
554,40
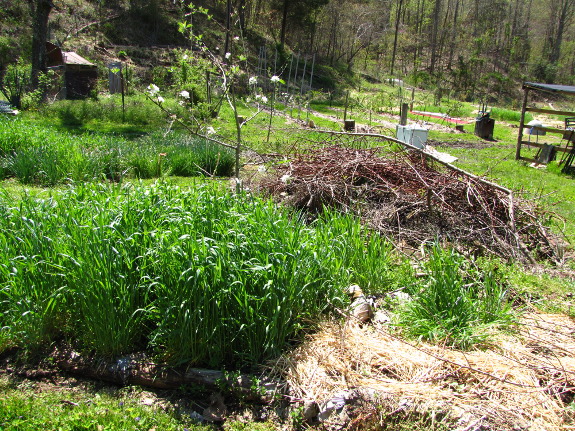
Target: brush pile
408,197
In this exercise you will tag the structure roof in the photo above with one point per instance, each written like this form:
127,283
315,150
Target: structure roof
554,88
73,58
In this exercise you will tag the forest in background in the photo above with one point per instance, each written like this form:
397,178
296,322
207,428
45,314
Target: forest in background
470,49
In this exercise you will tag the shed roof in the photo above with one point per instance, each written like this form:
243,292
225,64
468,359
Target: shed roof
554,88
73,58
58,57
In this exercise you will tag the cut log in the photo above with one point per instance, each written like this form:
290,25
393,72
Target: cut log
136,370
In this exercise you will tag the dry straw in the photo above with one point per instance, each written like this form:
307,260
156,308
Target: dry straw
522,380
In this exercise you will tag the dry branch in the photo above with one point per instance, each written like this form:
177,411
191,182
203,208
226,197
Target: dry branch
406,195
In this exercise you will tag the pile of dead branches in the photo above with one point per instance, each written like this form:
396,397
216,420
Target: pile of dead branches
413,199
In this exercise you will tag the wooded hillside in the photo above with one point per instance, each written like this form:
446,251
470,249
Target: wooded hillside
473,48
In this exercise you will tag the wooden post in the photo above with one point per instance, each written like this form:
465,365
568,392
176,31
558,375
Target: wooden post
123,94
521,124
403,118
208,87
346,102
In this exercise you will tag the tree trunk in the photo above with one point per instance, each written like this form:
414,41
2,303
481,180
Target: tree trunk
434,32
454,31
40,10
565,15
284,24
418,31
228,28
399,7
242,14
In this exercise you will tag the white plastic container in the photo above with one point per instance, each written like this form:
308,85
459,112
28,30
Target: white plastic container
412,134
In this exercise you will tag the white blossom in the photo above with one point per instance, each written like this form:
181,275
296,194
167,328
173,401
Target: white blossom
228,55
152,89
264,99
285,178
275,79
185,57
237,38
184,94
161,99
253,80
210,130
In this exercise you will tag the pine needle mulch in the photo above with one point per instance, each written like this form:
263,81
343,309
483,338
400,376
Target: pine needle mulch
524,380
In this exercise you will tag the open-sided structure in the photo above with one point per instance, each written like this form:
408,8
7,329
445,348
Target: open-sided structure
79,76
567,133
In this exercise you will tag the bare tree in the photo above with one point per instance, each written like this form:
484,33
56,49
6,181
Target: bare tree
40,11
397,19
561,17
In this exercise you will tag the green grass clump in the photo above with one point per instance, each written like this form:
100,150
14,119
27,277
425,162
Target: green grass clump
184,156
24,408
200,276
45,156
503,114
83,113
458,302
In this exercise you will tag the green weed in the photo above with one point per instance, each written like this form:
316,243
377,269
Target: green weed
509,115
45,156
458,302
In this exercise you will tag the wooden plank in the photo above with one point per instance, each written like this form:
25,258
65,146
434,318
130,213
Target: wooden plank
551,111
528,159
538,145
521,124
532,144
547,129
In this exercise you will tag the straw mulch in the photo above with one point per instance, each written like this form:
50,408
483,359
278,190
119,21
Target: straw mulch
520,381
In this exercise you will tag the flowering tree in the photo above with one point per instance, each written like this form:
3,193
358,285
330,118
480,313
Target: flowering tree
275,80
229,69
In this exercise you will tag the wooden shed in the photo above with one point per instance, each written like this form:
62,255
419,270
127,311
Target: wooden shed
566,148
78,76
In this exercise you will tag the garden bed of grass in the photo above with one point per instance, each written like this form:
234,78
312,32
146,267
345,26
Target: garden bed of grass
45,156
201,277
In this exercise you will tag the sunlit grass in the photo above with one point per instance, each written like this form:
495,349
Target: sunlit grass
45,156
24,407
199,276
